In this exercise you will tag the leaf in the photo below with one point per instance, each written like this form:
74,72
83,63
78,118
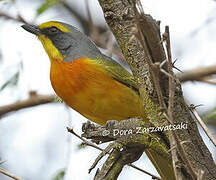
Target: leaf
46,5
11,82
59,175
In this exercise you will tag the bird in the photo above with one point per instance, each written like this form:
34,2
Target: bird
88,81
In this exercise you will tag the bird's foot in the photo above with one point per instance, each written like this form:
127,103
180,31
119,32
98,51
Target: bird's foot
88,125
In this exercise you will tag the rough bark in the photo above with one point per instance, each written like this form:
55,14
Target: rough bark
121,18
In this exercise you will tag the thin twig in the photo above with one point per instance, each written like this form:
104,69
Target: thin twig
100,149
182,153
86,142
154,69
173,65
153,176
202,124
6,173
132,50
101,155
174,138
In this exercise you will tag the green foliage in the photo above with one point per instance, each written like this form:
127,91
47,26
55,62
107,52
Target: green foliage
46,5
81,146
11,82
59,175
210,117
58,99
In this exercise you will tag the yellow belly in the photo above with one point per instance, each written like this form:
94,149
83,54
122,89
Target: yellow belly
86,88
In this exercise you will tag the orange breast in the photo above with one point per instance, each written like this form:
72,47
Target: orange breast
88,89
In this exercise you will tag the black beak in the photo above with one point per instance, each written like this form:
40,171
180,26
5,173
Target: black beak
32,29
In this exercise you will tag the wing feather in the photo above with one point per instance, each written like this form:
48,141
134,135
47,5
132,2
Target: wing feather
118,72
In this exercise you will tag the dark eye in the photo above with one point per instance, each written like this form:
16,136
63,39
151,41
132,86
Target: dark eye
53,30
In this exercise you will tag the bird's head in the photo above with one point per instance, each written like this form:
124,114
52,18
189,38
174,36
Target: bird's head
62,41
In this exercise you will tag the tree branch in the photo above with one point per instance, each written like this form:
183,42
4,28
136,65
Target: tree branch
33,100
130,134
111,168
197,74
124,20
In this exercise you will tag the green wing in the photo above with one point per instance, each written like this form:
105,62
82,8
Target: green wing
119,73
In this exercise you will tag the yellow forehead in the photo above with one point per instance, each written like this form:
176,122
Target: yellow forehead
54,23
